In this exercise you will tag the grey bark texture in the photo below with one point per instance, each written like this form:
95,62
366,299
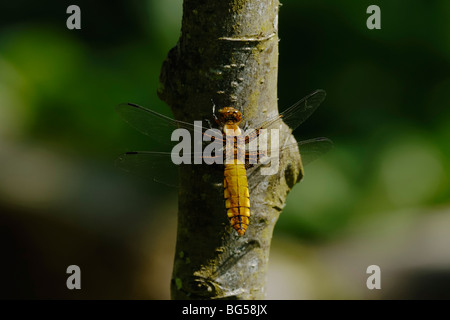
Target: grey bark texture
228,53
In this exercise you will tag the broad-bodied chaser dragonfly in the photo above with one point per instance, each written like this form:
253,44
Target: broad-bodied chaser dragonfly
239,157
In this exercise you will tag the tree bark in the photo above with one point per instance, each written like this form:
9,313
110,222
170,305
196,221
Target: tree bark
228,53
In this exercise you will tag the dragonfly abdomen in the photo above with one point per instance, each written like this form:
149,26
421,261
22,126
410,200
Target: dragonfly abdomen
237,198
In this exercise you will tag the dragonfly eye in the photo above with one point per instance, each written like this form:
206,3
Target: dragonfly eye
237,115
229,114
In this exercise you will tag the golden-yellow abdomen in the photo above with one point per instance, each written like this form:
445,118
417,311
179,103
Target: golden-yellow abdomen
237,198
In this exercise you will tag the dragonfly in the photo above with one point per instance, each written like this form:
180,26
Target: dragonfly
240,158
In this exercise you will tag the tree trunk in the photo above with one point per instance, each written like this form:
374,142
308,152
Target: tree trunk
227,53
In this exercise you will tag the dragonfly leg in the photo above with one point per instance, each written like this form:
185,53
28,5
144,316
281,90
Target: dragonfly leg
245,125
214,113
209,123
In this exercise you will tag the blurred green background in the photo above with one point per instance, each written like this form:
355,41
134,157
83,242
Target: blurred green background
382,196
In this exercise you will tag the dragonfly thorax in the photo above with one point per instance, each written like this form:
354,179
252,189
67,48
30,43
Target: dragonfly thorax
231,130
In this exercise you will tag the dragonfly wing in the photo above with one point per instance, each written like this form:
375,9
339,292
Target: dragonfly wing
159,166
303,109
156,166
298,112
312,149
157,126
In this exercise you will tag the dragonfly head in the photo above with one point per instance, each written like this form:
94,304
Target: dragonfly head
229,115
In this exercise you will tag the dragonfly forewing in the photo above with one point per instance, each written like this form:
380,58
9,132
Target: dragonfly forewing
155,125
298,113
